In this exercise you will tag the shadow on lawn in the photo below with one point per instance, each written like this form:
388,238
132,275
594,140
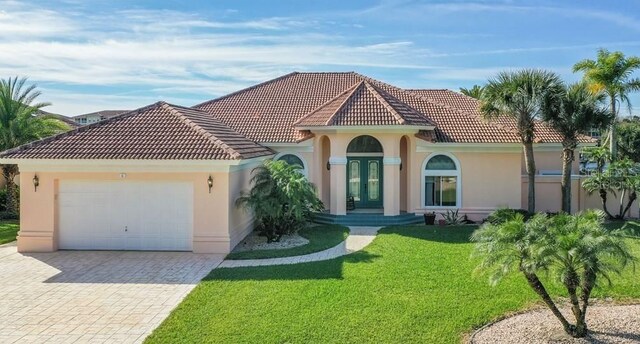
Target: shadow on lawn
444,234
327,269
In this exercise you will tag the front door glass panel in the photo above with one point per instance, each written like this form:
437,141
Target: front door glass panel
354,179
373,181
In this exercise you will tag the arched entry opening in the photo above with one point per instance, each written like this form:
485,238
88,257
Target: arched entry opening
364,173
325,179
405,167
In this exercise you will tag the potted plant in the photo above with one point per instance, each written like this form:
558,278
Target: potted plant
429,218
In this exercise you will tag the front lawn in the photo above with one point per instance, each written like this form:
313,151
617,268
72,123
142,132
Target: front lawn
412,284
8,230
320,238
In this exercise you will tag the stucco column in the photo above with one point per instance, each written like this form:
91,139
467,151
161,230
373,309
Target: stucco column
391,185
38,210
338,204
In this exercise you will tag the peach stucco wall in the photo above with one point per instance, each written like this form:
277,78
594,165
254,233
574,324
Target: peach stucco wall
217,224
548,196
489,180
491,177
550,161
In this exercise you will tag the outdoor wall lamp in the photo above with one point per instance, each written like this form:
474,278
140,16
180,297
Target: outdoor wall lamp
328,166
36,182
400,166
210,183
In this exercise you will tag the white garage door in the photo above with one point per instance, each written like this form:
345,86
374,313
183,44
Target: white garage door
125,215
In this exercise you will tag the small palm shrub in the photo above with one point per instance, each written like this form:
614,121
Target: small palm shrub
575,250
502,215
281,198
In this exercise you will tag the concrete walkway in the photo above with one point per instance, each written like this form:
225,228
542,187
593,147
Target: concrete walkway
359,238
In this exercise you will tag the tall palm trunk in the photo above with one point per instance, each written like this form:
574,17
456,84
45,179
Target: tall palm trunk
9,173
567,161
531,174
613,145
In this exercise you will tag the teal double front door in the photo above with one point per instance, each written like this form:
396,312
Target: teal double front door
364,181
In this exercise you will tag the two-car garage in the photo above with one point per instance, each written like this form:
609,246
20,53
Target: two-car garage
125,215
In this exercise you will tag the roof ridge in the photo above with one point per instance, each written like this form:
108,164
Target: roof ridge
376,93
344,102
202,131
350,89
246,89
81,128
427,89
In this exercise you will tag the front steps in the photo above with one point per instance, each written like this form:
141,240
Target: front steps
368,219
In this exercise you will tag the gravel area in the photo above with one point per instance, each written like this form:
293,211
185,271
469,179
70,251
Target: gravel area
607,324
254,242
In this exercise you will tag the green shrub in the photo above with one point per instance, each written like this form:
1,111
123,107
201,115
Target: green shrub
3,199
281,198
503,215
451,218
8,215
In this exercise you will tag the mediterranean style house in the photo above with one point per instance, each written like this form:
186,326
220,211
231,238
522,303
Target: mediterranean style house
166,177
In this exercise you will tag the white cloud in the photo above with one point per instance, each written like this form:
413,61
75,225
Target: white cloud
142,50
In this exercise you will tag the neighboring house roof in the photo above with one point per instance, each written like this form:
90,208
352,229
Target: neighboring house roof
104,113
361,105
67,120
158,131
272,111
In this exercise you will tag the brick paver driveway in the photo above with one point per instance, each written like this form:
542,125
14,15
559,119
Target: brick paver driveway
92,297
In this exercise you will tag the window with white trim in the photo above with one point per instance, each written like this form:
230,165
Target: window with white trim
441,179
293,159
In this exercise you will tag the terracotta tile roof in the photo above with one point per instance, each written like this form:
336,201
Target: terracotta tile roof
266,112
544,133
158,131
269,112
362,105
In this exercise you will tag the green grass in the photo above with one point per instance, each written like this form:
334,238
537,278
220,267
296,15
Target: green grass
412,284
8,230
320,238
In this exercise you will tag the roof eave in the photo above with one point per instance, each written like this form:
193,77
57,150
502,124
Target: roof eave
365,128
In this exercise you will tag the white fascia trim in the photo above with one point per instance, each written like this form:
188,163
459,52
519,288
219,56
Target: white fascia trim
98,165
302,147
423,146
391,161
370,128
338,160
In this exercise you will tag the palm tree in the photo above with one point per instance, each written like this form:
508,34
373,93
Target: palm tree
19,124
519,95
473,92
611,72
575,250
281,199
574,113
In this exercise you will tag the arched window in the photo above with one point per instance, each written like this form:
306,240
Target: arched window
441,185
364,144
293,159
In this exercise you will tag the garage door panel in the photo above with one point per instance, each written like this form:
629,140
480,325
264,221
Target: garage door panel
125,215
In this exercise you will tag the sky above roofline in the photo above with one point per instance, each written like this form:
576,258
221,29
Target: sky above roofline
89,56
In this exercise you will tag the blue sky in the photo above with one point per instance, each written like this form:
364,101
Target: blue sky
93,55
